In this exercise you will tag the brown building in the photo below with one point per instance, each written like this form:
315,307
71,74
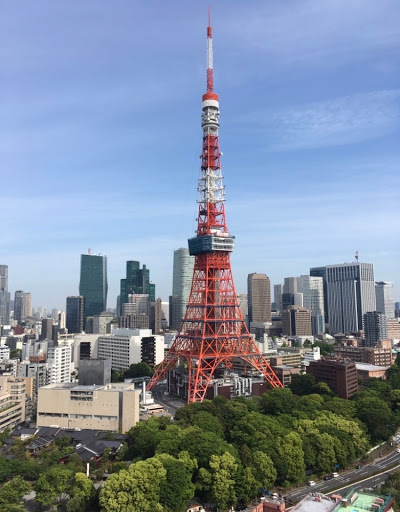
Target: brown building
340,375
284,373
370,355
296,321
259,298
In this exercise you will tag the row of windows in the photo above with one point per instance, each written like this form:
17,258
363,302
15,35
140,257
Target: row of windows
77,416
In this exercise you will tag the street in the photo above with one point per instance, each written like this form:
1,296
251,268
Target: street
363,478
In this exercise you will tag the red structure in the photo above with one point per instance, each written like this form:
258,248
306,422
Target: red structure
213,332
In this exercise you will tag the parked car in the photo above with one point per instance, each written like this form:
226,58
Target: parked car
358,466
328,477
311,483
335,475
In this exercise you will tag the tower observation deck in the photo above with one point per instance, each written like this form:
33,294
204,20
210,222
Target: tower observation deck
213,332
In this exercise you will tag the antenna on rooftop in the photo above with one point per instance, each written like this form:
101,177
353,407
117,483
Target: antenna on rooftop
89,251
356,256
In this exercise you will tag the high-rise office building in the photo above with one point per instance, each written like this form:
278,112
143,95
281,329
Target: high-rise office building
351,294
312,289
181,284
93,284
259,298
375,328
289,292
137,281
74,316
4,296
3,278
61,320
321,272
397,309
27,308
296,321
278,296
384,298
19,306
47,329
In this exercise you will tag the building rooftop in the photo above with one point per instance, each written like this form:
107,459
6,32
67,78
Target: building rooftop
370,367
364,502
73,386
315,502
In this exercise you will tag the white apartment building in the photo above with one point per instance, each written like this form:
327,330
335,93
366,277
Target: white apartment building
87,344
4,352
130,346
59,362
312,355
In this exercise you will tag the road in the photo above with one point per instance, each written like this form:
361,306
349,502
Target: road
171,403
349,479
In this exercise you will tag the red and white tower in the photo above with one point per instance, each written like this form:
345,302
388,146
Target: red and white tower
213,332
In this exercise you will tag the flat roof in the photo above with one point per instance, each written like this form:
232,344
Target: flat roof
371,367
363,503
73,386
315,502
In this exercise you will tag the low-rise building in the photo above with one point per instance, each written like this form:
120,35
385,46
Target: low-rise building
340,375
114,407
370,355
285,373
367,371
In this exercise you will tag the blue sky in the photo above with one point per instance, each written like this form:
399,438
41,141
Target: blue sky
100,136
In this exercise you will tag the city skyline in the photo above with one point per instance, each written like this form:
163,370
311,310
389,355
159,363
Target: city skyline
316,132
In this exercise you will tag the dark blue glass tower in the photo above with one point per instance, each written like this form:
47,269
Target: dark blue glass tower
93,284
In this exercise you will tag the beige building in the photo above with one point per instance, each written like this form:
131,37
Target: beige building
259,298
12,401
296,321
114,407
393,329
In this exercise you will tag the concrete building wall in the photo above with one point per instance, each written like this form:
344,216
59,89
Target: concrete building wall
114,407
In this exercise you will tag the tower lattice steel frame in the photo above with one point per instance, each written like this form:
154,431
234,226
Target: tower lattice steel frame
213,332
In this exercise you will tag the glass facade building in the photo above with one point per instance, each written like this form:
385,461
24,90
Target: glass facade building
93,284
181,285
137,281
75,312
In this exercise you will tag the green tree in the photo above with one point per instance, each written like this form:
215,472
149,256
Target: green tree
377,416
138,370
290,449
279,401
11,494
326,349
136,489
220,479
177,488
264,470
303,384
52,486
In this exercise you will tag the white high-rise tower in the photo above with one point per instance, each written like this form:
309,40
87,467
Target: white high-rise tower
181,284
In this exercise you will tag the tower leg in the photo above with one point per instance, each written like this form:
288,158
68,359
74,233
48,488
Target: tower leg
162,370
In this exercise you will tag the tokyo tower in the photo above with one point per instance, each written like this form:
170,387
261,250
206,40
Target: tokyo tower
213,332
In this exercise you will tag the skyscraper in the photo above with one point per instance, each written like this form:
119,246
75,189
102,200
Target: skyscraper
181,284
47,329
289,290
384,298
375,327
74,316
351,294
259,298
19,306
4,296
137,281
93,284
3,278
278,296
312,289
27,309
321,272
